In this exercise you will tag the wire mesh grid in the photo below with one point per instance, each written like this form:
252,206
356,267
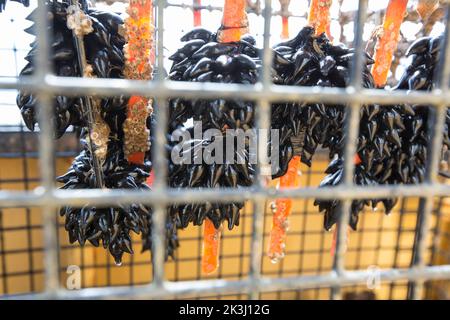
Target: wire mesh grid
44,243
382,241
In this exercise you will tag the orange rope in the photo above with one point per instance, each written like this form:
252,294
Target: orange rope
138,54
197,14
319,16
387,42
210,249
234,21
277,242
285,26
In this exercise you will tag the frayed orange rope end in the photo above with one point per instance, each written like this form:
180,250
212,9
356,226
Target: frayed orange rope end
283,208
319,16
285,28
387,41
210,250
234,21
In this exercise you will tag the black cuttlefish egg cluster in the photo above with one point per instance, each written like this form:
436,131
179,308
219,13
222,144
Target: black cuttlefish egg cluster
406,155
203,59
420,74
309,60
391,146
111,227
393,140
103,52
26,3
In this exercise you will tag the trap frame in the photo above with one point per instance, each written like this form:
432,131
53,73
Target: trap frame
259,281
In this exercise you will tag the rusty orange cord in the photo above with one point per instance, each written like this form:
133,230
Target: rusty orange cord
234,26
197,14
210,249
283,208
138,56
319,16
285,26
387,41
357,159
284,10
234,21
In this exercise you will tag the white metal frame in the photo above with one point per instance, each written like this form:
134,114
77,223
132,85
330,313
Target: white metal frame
44,84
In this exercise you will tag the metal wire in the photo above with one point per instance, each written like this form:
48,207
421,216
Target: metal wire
86,105
436,128
352,129
48,198
46,153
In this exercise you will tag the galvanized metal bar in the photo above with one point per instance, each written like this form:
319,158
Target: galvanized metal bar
356,75
158,243
191,288
443,72
267,51
38,198
256,247
263,167
351,133
436,129
46,151
436,122
159,159
189,90
218,8
45,85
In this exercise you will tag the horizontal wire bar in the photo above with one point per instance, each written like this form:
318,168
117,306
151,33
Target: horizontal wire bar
265,284
107,197
224,256
50,198
112,87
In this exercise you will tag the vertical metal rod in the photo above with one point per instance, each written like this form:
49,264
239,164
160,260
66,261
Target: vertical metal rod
160,36
436,240
262,112
3,264
426,204
435,129
351,133
158,249
267,53
28,213
256,246
402,214
86,105
444,61
46,151
356,74
262,122
159,158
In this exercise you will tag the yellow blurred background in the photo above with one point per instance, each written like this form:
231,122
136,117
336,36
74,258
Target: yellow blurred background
381,241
